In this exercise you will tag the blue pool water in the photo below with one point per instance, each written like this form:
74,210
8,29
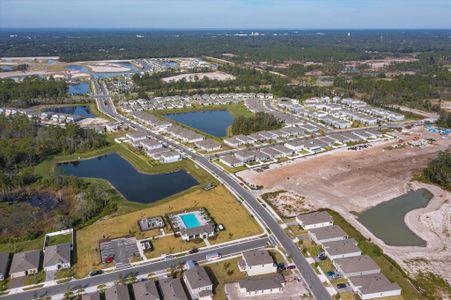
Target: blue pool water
214,122
190,220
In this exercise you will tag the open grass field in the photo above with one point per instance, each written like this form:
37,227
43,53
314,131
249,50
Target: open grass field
221,205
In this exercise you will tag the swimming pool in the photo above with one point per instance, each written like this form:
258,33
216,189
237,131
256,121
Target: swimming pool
190,220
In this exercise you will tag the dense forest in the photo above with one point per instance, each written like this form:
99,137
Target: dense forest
439,170
23,93
23,144
270,45
444,121
261,121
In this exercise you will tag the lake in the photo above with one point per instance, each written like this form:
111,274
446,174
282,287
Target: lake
81,88
213,122
135,186
78,110
386,220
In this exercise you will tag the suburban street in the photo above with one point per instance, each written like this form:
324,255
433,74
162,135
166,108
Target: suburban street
312,281
145,268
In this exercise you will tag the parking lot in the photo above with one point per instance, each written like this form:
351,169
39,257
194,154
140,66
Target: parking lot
120,250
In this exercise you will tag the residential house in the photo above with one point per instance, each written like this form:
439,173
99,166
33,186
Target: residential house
231,161
171,156
146,290
342,249
357,266
262,285
149,144
25,263
198,283
327,234
135,137
57,257
117,292
91,296
257,262
198,232
4,264
315,220
374,286
208,145
171,288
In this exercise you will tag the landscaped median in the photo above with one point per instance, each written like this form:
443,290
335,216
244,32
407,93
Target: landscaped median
221,205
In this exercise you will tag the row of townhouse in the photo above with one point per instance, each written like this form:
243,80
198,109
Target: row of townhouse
152,147
43,116
151,120
177,102
183,134
25,263
196,284
363,274
270,135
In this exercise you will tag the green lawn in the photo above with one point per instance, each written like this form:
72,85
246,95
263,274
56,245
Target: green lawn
59,239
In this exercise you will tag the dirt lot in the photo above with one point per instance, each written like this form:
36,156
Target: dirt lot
352,181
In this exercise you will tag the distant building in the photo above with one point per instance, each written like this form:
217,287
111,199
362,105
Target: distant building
315,220
198,283
262,285
257,262
25,263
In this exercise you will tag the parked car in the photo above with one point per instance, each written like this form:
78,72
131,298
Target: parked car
95,272
109,259
341,285
322,257
281,266
330,273
291,267
194,250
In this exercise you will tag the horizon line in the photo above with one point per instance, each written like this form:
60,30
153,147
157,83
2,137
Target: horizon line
217,28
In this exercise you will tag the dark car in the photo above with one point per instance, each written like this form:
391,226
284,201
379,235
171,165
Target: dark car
291,267
281,266
330,273
341,285
322,257
95,272
194,250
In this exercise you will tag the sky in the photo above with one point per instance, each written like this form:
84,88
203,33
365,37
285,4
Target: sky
226,14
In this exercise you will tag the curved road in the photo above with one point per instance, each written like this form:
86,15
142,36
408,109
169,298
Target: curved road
311,279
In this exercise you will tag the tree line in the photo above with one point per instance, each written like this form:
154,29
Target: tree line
260,121
438,170
24,93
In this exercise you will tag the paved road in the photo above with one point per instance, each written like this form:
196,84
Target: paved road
228,250
309,276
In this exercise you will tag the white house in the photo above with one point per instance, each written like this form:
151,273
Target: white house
262,285
136,137
171,156
148,144
374,286
357,266
341,249
198,283
57,257
315,220
327,234
257,262
25,263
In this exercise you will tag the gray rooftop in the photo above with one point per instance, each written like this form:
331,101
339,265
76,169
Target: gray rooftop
91,296
57,254
117,292
354,264
328,232
315,218
257,257
4,261
171,288
146,290
27,260
197,277
341,247
374,283
258,283
207,228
